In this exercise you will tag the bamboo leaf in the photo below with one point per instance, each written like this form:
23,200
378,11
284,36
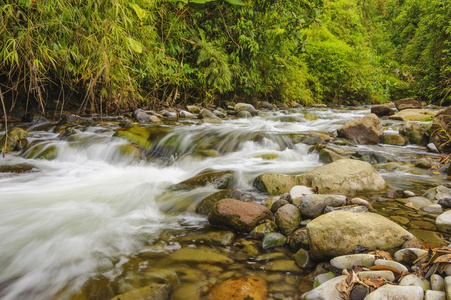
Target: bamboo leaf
135,45
141,13
235,2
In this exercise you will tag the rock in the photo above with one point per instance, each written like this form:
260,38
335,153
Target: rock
204,206
313,205
437,282
360,201
278,204
193,109
438,193
19,168
303,259
246,107
341,233
298,239
417,201
198,256
287,218
220,113
435,295
432,148
408,103
75,120
416,132
400,220
15,135
366,130
238,215
350,208
206,114
448,286
408,255
345,176
391,292
265,105
34,118
220,180
187,291
311,117
424,163
375,274
443,222
259,231
392,264
298,191
224,238
210,121
314,139
273,239
413,115
395,139
326,291
244,114
415,280
140,136
327,156
382,110
321,278
371,157
435,209
283,265
244,288
155,119
359,292
353,260
154,291
141,116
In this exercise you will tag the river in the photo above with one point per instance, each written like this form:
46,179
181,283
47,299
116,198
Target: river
87,212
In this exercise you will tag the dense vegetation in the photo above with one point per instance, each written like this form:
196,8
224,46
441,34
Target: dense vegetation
120,54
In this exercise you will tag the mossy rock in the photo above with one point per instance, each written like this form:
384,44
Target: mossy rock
15,135
267,156
311,117
136,135
49,153
220,180
130,151
154,291
19,168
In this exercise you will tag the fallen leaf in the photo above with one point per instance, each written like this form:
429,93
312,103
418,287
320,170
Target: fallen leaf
379,267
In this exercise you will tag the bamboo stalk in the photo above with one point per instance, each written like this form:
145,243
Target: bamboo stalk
6,123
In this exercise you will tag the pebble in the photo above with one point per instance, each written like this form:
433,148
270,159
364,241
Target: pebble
448,286
435,295
390,292
348,261
437,283
375,274
393,264
327,290
409,255
444,221
321,278
433,209
414,280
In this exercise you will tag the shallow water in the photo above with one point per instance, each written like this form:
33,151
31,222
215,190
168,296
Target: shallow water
89,212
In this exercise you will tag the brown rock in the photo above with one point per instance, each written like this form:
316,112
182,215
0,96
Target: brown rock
441,130
366,130
238,215
245,288
382,110
408,103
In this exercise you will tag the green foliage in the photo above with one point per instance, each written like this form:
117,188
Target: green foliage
125,53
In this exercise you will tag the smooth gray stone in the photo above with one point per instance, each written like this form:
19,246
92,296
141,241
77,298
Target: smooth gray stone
414,280
348,261
390,263
391,292
326,291
437,283
384,274
435,295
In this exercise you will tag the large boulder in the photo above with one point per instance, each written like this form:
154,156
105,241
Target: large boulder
441,130
141,116
204,206
413,115
246,107
416,132
365,130
342,232
408,103
345,176
238,215
248,287
382,110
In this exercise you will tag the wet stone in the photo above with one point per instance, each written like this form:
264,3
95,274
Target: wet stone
287,218
288,265
322,278
298,239
303,259
359,292
273,239
408,255
400,220
259,231
326,290
278,204
443,221
349,261
435,209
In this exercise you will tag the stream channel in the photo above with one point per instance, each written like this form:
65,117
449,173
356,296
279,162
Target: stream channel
92,223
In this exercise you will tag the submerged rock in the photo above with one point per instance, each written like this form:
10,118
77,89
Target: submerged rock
366,130
198,256
244,288
345,176
416,132
15,134
238,215
273,239
341,232
326,291
220,180
313,205
205,206
154,291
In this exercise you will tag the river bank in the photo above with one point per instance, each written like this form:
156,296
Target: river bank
96,208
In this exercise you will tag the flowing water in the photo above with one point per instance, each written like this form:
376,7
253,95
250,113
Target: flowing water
87,212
